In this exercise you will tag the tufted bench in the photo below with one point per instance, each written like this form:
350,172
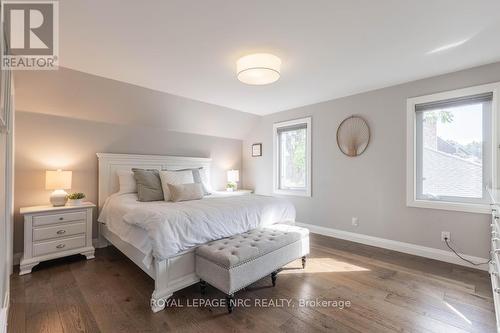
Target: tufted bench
233,263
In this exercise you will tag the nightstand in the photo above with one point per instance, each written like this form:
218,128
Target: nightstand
54,232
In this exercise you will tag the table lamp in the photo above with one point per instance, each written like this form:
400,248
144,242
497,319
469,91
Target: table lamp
59,181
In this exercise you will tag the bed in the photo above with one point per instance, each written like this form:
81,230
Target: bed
160,237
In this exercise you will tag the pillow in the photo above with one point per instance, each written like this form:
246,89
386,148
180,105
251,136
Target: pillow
184,192
127,181
203,178
200,177
174,178
148,184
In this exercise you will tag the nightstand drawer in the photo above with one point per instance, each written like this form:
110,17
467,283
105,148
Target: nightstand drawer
58,231
58,245
58,218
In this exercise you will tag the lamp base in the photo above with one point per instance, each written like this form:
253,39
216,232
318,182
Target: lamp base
58,198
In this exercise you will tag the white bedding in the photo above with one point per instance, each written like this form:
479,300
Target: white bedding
164,229
115,207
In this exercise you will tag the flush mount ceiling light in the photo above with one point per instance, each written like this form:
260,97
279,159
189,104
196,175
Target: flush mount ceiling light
258,68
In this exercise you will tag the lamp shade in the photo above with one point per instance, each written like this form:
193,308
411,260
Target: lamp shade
58,180
258,68
233,176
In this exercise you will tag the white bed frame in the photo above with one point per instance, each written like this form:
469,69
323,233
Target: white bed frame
171,274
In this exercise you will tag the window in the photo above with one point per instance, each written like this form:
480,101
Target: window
292,157
451,150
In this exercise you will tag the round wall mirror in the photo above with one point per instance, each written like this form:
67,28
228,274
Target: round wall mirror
353,136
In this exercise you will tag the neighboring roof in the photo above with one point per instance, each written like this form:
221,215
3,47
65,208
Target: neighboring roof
448,175
454,148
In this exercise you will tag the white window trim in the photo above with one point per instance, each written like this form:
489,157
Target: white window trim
411,200
276,189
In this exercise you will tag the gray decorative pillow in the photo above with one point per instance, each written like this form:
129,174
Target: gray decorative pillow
148,184
184,192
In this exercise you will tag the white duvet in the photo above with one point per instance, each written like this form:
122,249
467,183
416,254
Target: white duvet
176,227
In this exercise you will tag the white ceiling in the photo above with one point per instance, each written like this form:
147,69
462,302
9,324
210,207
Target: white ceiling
329,48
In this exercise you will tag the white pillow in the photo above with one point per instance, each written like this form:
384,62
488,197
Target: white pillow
174,178
127,181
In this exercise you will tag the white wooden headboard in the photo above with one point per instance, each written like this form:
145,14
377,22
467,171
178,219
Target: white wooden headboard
110,163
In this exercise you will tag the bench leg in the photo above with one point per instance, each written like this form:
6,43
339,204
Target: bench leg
203,287
304,262
274,275
230,303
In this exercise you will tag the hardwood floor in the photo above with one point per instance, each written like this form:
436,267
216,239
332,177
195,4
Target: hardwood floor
388,291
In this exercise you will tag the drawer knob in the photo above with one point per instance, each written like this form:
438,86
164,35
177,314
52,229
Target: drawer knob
61,232
61,218
60,246
497,290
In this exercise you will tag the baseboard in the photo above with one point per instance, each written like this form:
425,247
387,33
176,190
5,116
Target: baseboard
417,250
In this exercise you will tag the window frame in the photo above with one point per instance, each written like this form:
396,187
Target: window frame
411,148
276,158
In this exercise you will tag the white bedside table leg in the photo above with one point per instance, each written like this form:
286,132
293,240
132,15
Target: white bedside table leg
88,254
26,268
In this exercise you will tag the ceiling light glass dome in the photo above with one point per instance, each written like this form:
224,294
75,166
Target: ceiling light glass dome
258,68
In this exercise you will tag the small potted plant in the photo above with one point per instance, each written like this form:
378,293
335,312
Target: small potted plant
231,186
75,199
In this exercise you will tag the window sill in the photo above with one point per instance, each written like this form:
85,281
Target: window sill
453,206
293,193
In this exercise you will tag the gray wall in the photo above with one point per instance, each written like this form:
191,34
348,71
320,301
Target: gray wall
64,117
372,186
73,94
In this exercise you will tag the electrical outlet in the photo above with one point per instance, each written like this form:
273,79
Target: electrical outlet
445,234
355,221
